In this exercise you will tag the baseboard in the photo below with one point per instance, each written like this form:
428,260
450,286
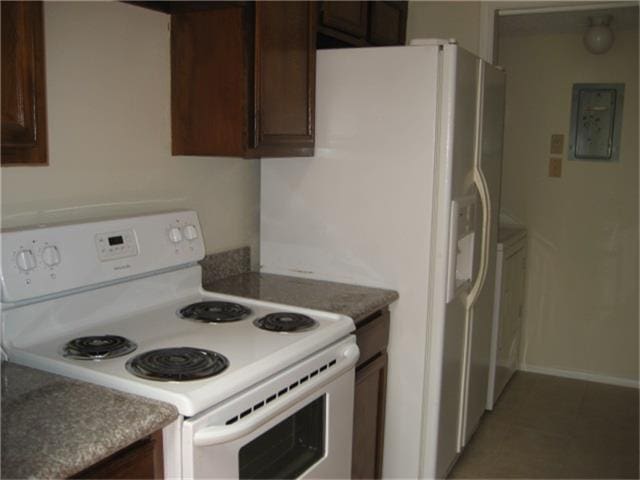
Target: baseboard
590,377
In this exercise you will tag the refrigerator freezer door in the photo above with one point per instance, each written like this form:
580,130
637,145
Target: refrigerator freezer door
489,162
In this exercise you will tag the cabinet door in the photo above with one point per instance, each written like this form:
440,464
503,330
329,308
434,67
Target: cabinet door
208,82
24,132
284,80
347,17
368,419
388,23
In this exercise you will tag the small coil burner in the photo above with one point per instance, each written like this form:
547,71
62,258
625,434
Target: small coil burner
215,312
285,322
177,364
98,347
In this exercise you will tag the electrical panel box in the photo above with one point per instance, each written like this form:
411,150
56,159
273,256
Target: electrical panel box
596,120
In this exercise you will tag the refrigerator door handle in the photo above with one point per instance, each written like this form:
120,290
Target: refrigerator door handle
485,200
453,253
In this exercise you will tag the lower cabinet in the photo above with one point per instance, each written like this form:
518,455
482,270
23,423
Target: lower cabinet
142,459
370,396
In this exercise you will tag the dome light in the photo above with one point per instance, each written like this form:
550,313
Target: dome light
598,38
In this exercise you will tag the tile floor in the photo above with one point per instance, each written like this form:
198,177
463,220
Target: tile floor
551,427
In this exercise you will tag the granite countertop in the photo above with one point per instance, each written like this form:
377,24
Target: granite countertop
54,427
354,301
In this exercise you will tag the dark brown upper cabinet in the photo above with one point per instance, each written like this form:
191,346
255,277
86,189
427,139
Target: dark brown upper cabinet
347,21
361,24
24,116
388,23
243,79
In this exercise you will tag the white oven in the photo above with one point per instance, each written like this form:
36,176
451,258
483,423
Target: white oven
298,424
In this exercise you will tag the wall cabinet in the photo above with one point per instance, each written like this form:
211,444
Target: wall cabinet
347,21
24,121
361,24
372,335
142,459
388,23
243,79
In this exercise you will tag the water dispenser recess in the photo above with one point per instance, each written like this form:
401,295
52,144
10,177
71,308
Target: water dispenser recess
462,241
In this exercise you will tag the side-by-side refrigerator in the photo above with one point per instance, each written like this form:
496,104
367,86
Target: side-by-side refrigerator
402,193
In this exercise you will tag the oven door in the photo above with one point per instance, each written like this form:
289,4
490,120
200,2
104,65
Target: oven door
296,425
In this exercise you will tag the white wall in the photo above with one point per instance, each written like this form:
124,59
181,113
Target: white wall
459,20
582,294
108,100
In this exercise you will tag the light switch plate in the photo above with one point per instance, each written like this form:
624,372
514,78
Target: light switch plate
557,144
555,167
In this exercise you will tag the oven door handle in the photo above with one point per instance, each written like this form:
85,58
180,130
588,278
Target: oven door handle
226,433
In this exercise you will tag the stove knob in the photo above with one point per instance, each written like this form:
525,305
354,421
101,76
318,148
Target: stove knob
51,256
190,232
26,260
175,235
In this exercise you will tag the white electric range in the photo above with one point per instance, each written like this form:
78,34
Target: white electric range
263,390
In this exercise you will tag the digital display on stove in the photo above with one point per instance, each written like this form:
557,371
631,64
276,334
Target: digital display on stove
118,240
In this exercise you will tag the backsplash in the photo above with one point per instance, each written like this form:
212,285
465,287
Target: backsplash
225,264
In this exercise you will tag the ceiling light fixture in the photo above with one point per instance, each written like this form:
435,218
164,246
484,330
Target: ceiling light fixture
599,37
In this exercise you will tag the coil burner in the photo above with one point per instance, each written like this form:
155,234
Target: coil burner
215,312
98,347
286,322
177,364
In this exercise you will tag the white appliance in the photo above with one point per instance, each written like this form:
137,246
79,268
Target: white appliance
507,311
117,303
402,193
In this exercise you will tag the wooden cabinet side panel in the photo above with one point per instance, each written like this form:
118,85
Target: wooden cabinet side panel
208,82
24,125
284,79
368,420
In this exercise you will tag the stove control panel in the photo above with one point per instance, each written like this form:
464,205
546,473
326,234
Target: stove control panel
116,245
53,259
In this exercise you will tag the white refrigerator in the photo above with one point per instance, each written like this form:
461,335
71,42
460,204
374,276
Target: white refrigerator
402,193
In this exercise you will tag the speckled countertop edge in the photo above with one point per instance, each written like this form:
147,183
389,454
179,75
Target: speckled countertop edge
354,301
55,427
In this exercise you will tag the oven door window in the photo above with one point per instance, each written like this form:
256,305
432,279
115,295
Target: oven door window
288,449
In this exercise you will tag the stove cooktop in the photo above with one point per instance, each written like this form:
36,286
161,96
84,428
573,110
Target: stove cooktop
35,334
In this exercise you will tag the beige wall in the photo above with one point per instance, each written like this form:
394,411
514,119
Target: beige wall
108,98
582,294
459,20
